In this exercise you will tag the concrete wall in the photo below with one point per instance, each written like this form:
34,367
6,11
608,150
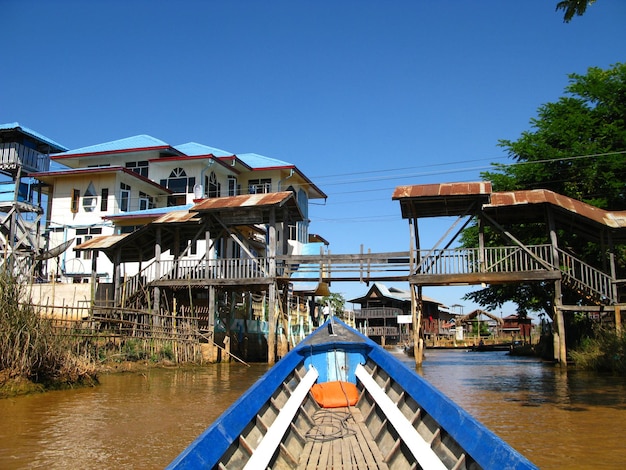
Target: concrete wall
70,301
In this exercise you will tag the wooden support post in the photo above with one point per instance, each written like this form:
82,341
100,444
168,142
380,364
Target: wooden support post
416,293
481,244
271,334
618,319
176,253
416,313
226,357
207,254
560,353
157,271
94,276
117,277
614,290
211,309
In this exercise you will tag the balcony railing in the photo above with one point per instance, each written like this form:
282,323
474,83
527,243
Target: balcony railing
193,269
380,330
13,155
586,278
369,266
378,312
490,260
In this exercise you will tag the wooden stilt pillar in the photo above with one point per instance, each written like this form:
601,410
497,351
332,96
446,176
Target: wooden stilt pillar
117,278
211,308
94,276
156,306
561,354
618,319
416,312
271,334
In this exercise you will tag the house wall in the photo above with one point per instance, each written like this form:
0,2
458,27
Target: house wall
70,301
87,221
65,224
109,159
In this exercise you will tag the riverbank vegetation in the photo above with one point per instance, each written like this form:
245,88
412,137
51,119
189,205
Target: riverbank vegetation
604,350
33,356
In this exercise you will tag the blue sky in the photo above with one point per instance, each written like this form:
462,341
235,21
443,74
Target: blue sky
362,96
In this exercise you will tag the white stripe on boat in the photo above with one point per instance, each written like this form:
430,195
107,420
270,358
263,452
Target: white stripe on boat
263,453
420,449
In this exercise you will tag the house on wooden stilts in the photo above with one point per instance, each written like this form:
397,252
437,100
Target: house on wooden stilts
593,288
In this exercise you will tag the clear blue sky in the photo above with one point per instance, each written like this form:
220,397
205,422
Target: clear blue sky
362,96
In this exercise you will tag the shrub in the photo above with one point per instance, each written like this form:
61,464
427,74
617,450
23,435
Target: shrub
604,350
29,345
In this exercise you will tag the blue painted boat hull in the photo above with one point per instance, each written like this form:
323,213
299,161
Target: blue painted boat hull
474,445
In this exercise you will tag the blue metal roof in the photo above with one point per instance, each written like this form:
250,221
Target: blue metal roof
254,160
55,147
393,293
307,273
156,211
193,149
129,143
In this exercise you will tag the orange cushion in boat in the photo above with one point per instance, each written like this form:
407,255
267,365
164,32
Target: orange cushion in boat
335,394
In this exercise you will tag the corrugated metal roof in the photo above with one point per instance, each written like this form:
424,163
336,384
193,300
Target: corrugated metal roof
15,126
71,172
303,278
442,189
193,149
257,161
178,217
516,199
156,212
101,243
391,293
246,200
128,143
440,200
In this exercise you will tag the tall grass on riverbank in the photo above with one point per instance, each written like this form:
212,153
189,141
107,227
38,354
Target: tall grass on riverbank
605,351
30,348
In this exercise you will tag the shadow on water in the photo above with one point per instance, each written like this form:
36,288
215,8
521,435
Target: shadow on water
138,420
536,406
557,419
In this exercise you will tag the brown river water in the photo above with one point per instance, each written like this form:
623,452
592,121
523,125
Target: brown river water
559,420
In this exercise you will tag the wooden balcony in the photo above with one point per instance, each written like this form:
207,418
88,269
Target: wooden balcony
380,331
13,155
379,312
436,267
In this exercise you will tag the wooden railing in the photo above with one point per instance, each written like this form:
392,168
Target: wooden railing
381,312
346,267
490,260
13,154
385,266
193,269
380,330
585,278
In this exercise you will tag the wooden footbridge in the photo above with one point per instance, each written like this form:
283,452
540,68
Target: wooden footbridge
440,266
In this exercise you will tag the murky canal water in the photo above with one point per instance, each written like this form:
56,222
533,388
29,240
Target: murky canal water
142,421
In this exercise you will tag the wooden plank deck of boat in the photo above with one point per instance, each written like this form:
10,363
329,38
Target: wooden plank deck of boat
340,440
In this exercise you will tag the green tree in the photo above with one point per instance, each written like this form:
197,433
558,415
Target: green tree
573,7
336,302
576,147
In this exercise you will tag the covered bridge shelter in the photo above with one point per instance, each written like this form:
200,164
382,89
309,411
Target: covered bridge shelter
598,286
236,217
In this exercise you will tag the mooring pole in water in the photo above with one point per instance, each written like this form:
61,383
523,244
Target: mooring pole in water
416,312
227,352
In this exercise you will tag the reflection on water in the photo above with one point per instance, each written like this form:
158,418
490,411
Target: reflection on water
558,420
130,421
